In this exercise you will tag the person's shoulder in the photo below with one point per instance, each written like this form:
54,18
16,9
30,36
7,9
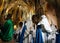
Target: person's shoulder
9,21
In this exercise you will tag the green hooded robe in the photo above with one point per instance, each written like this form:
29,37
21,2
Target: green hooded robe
7,33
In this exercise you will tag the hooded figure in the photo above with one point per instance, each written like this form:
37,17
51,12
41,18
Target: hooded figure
8,29
47,27
21,36
36,19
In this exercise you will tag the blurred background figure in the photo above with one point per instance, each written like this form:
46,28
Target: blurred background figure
21,32
18,31
8,29
38,38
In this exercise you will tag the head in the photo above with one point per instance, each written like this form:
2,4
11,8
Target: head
36,19
56,27
21,24
25,22
8,16
33,18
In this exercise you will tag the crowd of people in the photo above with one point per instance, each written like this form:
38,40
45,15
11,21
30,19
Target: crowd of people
36,30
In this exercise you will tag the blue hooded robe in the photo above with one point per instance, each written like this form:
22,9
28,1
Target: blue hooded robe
21,38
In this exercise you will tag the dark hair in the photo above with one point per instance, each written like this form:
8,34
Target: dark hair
33,18
36,18
9,16
20,24
25,22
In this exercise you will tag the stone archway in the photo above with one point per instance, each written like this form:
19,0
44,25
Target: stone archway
20,10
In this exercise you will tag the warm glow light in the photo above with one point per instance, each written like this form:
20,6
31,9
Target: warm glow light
1,7
15,27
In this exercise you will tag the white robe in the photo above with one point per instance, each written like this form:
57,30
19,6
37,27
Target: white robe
20,30
27,39
30,28
52,36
